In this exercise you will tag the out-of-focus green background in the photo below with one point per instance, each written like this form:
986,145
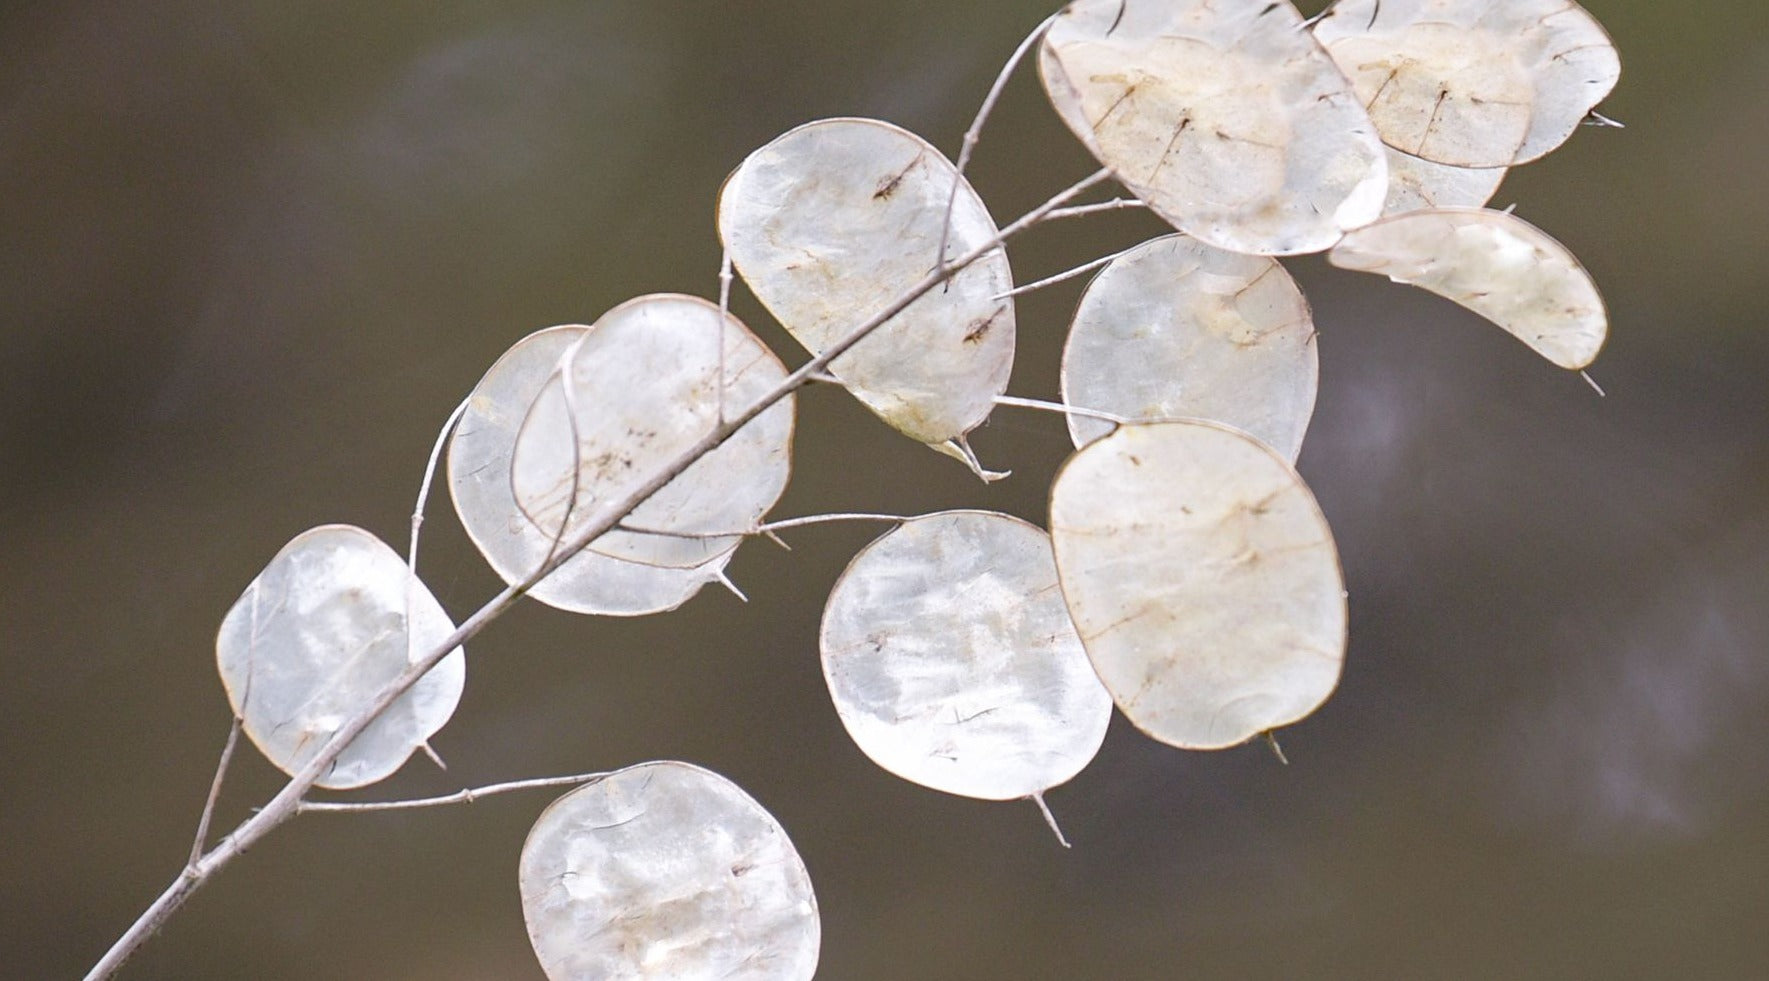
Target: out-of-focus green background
252,253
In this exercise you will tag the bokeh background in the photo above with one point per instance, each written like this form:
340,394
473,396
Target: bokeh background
251,253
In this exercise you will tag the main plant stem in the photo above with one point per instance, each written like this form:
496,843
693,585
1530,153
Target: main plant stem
287,802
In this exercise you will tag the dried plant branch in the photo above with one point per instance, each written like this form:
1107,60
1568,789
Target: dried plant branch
1066,274
1061,409
467,796
287,802
1116,204
975,133
202,838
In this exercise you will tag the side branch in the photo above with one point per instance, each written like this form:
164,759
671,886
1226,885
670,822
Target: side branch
467,796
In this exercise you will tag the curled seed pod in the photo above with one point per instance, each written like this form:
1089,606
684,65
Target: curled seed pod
1493,263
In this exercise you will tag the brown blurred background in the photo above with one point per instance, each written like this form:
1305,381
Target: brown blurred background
252,253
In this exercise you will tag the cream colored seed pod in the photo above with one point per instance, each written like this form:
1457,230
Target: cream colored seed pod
1227,119
666,870
1493,263
834,220
1175,328
314,639
1472,83
1203,580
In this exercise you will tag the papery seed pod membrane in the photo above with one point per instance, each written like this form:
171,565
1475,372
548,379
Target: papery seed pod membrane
317,636
836,219
1495,264
1472,83
666,870
1175,328
1203,580
952,661
479,482
1227,119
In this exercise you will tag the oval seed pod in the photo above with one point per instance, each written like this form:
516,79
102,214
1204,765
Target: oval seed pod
666,870
1227,119
1203,580
651,378
1472,83
952,661
479,482
1493,263
1175,328
833,221
315,638
1415,184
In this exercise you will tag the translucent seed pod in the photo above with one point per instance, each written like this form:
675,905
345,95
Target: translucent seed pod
1472,83
1203,580
317,636
666,870
834,220
1493,263
952,661
1175,328
1227,119
479,482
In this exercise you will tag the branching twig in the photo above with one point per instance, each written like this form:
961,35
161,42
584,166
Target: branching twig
765,528
287,801
975,133
411,561
233,739
1116,204
467,796
724,310
817,519
1064,275
448,427
1061,409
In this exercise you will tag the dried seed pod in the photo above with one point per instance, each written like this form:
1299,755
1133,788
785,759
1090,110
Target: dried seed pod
1472,83
479,482
1175,328
666,870
1493,263
1203,580
1227,119
952,661
315,638
834,220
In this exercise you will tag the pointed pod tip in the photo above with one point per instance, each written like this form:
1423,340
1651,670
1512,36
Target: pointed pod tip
1050,819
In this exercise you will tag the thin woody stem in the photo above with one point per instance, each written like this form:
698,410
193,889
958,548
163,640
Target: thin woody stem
202,837
767,527
975,133
467,796
1116,204
448,427
1066,274
1061,409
